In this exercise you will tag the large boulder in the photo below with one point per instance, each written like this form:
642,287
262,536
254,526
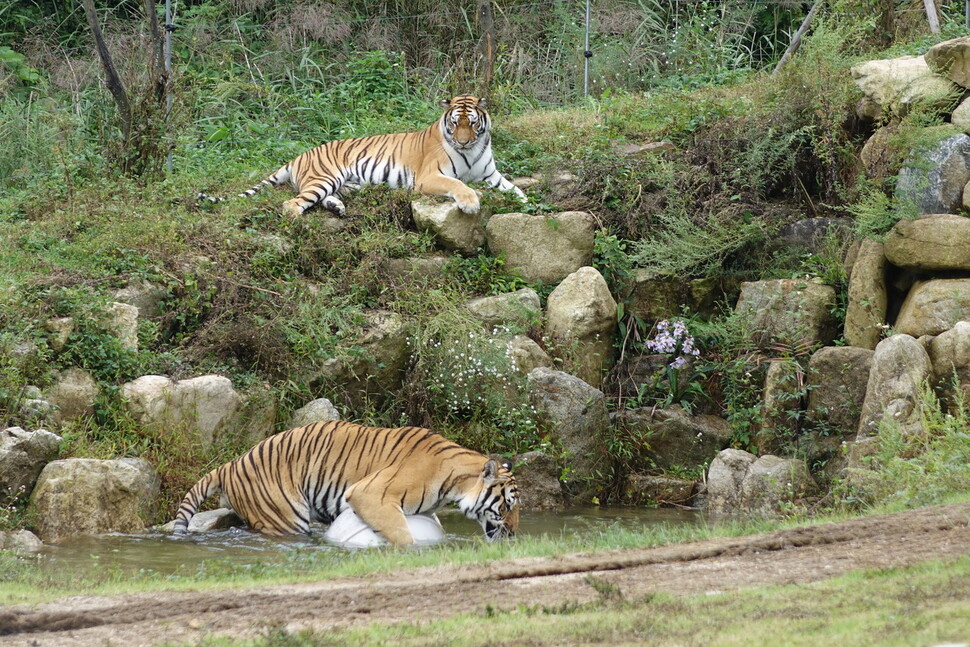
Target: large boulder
792,311
87,496
207,407
950,355
933,181
675,438
837,380
652,298
574,415
931,243
23,455
895,85
781,402
900,370
144,295
960,118
319,410
122,320
373,367
72,395
932,307
774,484
525,354
537,476
451,227
521,309
542,248
581,321
865,314
658,490
951,59
739,482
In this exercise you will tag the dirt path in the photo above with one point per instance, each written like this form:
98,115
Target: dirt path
799,555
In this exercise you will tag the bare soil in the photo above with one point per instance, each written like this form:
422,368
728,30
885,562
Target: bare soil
798,555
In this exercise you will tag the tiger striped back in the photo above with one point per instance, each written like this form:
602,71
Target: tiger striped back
312,473
435,161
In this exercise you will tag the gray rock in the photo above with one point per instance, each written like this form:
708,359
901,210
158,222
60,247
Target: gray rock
319,410
23,455
931,243
20,542
793,311
144,295
375,370
659,490
837,380
574,414
951,59
934,180
772,484
895,85
581,321
537,476
521,308
868,298
900,368
932,307
87,496
738,482
72,395
525,354
452,228
950,355
780,398
674,438
724,479
542,248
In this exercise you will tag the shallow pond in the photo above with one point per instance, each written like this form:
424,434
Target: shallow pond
238,549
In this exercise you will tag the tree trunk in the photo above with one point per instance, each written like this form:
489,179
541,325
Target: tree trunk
112,80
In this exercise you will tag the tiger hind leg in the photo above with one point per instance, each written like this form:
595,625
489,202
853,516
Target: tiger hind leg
307,199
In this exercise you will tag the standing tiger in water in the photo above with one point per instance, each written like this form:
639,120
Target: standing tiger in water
314,473
436,161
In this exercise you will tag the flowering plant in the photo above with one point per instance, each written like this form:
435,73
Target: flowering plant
679,387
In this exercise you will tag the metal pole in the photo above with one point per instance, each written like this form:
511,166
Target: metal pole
966,15
588,54
169,28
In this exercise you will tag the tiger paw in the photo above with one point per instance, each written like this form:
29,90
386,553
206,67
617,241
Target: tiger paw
292,208
471,204
335,205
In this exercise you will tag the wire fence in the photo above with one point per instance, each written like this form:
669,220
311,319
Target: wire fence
557,50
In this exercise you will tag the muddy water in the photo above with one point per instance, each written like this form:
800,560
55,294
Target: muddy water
236,550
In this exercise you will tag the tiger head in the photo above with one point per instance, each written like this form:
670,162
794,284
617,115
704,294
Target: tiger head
496,507
464,122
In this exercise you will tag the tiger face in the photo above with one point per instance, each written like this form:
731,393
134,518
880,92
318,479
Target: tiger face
497,509
464,121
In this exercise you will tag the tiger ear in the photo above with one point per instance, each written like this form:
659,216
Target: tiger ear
445,103
482,103
489,471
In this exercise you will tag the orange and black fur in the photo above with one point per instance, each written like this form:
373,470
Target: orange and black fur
436,161
313,473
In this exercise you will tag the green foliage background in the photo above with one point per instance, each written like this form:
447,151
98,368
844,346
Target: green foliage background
265,299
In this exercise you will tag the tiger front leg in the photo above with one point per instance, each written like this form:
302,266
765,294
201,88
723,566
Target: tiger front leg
376,505
464,196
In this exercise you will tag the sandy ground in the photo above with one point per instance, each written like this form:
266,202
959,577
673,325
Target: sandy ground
799,555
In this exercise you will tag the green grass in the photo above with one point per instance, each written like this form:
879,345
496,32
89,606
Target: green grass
920,605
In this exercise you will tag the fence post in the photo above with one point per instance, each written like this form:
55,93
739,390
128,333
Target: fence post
931,16
487,27
587,54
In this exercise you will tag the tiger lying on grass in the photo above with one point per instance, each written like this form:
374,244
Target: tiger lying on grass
314,473
436,161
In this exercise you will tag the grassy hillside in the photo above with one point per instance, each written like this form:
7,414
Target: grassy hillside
264,298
